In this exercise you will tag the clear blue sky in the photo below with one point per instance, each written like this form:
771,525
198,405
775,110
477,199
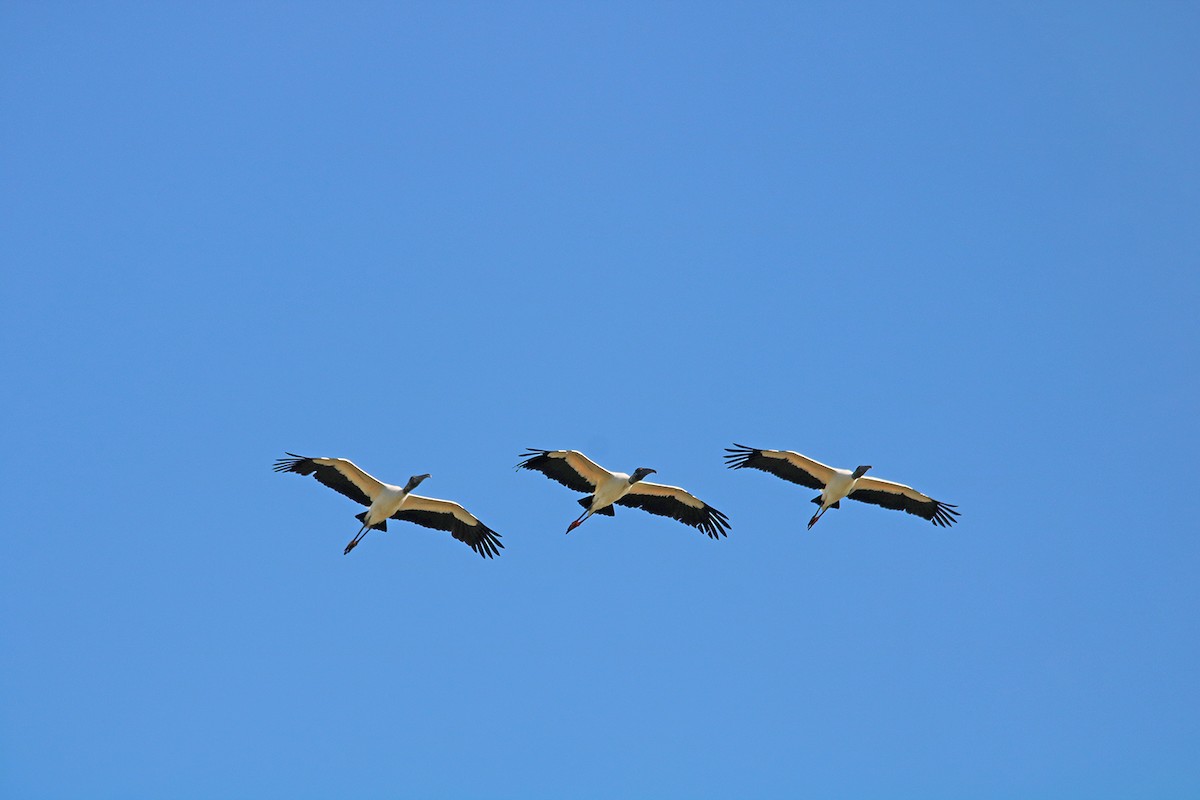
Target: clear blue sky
954,241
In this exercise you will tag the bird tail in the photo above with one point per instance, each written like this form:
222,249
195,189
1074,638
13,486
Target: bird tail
378,526
607,511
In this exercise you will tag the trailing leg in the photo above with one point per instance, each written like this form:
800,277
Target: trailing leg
579,521
357,538
816,517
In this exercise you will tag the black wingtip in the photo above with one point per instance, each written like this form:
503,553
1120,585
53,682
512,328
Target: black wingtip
944,514
740,457
528,456
488,545
288,464
716,524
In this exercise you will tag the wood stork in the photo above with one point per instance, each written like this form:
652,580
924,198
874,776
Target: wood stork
385,502
836,484
576,471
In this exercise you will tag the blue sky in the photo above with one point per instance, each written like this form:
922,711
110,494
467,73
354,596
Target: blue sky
956,242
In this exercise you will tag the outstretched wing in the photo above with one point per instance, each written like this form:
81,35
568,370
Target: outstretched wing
784,464
339,474
676,503
444,515
903,498
571,468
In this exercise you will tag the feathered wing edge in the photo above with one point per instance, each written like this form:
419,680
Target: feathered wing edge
703,517
905,498
742,457
333,475
559,467
479,537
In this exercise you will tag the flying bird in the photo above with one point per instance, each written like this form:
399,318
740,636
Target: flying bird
836,484
385,502
576,471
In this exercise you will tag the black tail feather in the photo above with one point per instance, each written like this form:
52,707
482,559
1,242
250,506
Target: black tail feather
607,511
379,526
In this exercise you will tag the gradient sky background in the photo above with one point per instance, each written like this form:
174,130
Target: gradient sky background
955,241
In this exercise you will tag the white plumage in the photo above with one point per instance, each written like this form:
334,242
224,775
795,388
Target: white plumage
838,484
576,471
385,501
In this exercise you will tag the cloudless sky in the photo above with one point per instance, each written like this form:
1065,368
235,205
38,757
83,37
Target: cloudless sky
954,241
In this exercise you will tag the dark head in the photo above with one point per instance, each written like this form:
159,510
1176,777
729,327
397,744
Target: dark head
860,471
414,482
640,473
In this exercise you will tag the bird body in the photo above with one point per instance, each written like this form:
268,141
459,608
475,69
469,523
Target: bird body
576,471
388,501
385,501
838,484
616,486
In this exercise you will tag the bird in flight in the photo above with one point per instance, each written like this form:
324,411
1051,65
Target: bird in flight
576,471
385,501
838,484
